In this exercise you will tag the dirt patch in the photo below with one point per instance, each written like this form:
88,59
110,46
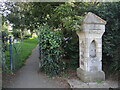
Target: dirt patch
7,78
59,78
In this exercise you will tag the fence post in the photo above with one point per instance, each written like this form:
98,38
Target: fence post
11,66
1,41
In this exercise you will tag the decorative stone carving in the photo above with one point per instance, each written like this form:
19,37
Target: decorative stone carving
90,48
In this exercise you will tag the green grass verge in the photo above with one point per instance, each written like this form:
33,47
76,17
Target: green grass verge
27,47
19,59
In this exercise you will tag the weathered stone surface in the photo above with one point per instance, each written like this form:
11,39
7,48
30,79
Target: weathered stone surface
92,18
90,48
90,76
105,85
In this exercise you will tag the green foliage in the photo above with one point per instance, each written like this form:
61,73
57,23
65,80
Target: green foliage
27,35
72,23
68,17
65,10
4,40
29,15
65,17
1,53
99,81
16,33
26,49
51,51
71,49
111,38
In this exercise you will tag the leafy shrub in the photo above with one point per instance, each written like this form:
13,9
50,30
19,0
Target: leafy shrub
66,17
71,49
51,52
4,40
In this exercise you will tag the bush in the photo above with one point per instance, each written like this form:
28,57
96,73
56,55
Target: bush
50,50
4,40
71,49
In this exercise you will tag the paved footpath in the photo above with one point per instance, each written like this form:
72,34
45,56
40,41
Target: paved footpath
29,77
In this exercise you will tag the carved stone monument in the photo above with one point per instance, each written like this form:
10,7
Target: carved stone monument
90,49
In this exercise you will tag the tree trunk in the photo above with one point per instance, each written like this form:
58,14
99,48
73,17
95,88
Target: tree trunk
31,31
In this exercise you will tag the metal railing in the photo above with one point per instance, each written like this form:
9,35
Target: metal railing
12,54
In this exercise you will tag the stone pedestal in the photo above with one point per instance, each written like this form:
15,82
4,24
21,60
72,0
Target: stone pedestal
88,76
90,49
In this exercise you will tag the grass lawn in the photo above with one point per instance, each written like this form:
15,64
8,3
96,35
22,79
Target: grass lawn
26,49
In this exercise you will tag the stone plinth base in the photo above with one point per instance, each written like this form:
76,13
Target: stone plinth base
86,76
104,85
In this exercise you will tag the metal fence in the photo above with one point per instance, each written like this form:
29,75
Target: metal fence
12,50
16,53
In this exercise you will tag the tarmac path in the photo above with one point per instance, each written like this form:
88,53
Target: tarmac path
29,77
